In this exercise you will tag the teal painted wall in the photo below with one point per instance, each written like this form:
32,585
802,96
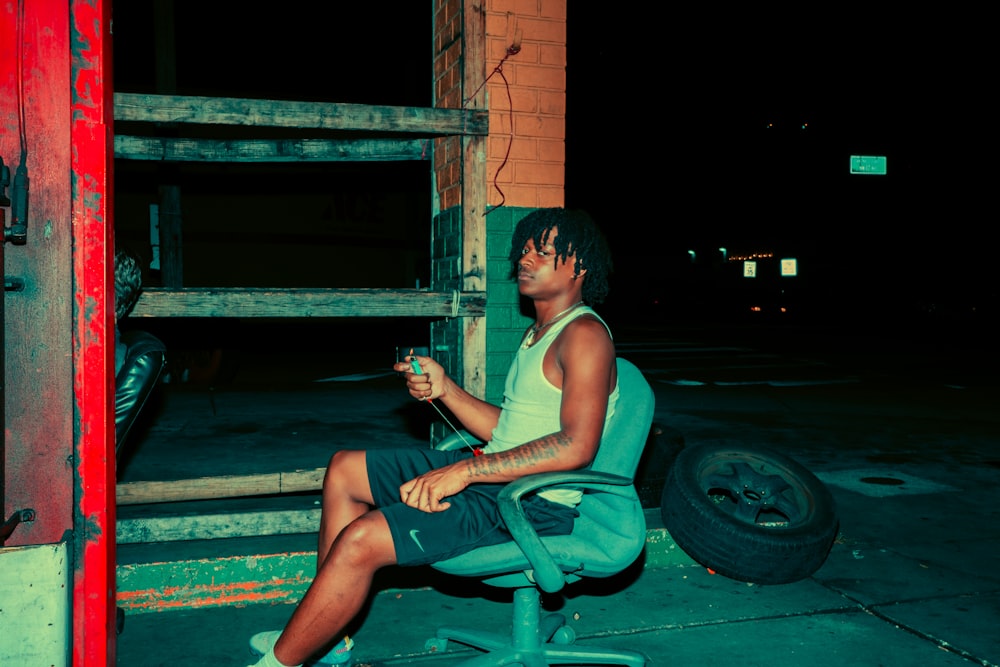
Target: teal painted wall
505,323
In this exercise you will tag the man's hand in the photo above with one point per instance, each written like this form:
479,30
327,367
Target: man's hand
428,383
428,491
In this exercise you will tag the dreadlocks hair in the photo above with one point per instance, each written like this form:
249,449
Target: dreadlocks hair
128,283
578,235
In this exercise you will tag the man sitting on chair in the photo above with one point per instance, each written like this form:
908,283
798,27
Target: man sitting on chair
418,506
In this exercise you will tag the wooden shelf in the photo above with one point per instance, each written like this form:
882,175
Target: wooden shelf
305,303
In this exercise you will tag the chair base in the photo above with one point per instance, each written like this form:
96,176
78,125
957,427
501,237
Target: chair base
535,641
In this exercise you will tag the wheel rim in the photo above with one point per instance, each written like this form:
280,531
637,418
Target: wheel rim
756,490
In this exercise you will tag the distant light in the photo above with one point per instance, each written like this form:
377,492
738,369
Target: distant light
691,252
759,254
723,251
868,164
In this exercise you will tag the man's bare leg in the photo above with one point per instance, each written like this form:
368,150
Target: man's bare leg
346,496
343,580
340,588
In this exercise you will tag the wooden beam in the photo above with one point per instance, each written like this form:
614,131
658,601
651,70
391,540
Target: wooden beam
223,486
317,115
213,526
474,201
303,303
171,230
165,149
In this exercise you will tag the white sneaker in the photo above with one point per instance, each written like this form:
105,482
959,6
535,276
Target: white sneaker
338,656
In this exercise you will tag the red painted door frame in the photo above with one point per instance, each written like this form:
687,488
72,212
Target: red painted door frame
56,102
92,141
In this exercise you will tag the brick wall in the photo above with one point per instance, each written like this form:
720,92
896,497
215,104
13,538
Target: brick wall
446,256
525,73
448,63
505,323
504,320
526,157
526,151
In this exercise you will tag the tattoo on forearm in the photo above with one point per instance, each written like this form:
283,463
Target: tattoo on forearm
543,449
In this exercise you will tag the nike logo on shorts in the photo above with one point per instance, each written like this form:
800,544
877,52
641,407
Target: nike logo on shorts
413,536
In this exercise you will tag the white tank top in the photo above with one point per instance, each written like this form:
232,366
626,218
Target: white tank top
530,406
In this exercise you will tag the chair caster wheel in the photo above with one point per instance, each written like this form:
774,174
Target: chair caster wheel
564,635
436,645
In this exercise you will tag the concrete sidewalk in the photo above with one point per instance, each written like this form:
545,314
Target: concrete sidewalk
892,592
913,578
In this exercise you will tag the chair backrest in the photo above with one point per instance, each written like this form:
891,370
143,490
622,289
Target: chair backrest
139,374
628,429
612,525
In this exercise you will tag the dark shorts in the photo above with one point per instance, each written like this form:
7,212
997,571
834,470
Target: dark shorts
473,520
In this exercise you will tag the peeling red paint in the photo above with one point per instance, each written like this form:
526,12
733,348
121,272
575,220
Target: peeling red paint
216,582
92,221
57,436
167,598
38,326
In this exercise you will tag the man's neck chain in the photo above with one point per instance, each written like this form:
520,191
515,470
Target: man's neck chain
529,339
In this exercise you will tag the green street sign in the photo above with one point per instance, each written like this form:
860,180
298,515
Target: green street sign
868,164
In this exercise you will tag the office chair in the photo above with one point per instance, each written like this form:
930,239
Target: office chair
607,537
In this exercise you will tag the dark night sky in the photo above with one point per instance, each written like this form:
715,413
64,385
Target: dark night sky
667,144
679,106
666,116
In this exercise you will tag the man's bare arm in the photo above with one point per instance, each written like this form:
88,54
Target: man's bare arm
584,369
432,383
581,364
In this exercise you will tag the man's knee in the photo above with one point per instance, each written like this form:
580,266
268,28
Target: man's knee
345,465
367,540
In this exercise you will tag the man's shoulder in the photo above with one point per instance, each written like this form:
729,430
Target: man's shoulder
588,330
588,320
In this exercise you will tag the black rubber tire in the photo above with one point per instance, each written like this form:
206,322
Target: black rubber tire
749,513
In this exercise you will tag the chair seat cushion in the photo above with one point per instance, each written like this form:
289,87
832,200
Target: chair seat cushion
593,549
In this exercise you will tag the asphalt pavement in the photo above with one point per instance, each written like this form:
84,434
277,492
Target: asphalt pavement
905,434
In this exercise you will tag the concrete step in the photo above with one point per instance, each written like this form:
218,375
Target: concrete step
245,570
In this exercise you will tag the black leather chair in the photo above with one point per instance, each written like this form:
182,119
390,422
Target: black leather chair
139,374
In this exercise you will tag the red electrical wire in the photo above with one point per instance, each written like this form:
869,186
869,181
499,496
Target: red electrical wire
511,50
